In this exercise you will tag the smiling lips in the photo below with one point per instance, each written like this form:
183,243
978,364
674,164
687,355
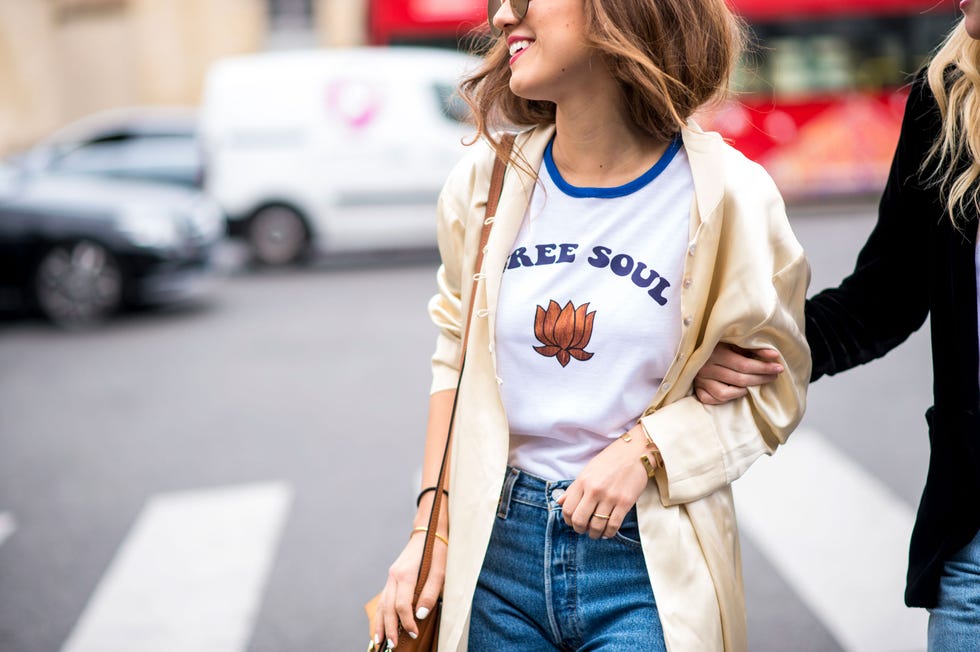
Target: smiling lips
517,47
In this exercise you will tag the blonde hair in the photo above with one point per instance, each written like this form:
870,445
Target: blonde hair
954,159
670,57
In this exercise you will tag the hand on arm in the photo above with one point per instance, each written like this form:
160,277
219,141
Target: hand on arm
730,370
396,613
608,486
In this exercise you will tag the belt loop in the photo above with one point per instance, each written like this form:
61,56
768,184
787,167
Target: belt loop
503,505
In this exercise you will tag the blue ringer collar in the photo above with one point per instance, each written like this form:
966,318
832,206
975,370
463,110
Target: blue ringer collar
617,191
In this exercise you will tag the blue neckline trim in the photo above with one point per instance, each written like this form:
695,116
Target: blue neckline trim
616,191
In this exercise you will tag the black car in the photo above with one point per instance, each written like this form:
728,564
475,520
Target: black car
80,247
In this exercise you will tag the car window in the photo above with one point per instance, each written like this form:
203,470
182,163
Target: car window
9,176
453,106
174,159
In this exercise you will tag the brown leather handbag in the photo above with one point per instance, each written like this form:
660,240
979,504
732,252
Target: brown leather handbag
428,637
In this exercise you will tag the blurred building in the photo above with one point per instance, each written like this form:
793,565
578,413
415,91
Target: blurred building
818,101
62,59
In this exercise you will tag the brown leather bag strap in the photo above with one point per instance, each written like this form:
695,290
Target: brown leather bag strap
493,199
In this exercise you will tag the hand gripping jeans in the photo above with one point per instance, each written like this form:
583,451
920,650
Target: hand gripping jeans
545,588
954,624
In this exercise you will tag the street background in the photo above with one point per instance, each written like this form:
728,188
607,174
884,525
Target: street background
308,388
236,472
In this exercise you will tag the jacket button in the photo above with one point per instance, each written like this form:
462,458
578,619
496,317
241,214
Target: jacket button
690,250
687,283
688,321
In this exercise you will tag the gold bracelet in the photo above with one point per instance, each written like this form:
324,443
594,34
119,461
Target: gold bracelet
425,529
651,467
626,437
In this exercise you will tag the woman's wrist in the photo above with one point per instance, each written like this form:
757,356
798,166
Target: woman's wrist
424,511
428,494
426,491
643,450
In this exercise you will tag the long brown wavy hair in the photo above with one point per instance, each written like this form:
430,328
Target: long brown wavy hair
670,57
954,160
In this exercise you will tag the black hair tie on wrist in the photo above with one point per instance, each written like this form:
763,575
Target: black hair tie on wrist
418,501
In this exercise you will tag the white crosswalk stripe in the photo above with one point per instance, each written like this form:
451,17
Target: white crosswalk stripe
7,526
838,537
189,576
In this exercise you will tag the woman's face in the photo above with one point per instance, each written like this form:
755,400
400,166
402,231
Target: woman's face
549,58
971,15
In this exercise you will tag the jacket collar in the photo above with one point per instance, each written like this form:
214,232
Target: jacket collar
705,151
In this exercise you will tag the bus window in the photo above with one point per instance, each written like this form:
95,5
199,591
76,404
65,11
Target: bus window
797,58
818,100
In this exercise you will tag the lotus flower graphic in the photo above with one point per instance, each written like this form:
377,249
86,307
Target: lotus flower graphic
564,332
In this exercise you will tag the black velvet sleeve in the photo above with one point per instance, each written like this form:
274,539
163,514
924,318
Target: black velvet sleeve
886,298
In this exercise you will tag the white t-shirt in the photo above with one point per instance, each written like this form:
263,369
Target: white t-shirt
588,319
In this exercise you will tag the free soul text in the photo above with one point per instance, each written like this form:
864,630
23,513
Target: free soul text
623,265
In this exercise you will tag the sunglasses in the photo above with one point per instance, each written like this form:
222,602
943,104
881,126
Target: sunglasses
518,7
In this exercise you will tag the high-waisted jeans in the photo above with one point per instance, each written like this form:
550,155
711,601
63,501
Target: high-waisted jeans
544,587
954,624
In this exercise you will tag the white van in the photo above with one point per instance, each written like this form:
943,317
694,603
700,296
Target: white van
342,149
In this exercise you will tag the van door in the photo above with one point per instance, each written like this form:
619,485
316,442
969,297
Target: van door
397,146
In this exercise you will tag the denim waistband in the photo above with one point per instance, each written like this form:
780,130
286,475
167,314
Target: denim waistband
529,489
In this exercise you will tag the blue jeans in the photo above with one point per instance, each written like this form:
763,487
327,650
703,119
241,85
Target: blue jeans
954,624
544,587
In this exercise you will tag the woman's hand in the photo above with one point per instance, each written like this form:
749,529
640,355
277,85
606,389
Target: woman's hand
395,606
730,370
609,485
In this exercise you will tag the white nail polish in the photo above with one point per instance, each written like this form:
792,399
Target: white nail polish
422,613
391,644
377,640
413,634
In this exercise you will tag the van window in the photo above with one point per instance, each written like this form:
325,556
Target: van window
451,104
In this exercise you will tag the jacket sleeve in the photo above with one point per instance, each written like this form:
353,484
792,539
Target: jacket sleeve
462,197
886,298
445,306
707,447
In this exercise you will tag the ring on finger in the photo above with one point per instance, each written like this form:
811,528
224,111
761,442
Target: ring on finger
604,517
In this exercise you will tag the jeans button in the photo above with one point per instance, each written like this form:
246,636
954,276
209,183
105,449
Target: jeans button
557,493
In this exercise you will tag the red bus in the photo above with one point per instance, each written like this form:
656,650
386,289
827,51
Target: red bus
819,96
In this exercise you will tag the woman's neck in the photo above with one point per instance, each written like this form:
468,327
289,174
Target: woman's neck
596,146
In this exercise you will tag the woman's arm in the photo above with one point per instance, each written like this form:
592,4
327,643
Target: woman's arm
395,607
884,300
445,309
706,447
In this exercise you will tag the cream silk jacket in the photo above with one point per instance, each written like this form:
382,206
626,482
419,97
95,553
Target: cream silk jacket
745,280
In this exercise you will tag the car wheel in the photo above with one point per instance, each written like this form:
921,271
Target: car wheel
277,236
78,284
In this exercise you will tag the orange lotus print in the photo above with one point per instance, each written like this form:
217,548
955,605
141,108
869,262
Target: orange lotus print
564,332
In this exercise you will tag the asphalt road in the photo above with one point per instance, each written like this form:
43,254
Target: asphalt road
314,382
